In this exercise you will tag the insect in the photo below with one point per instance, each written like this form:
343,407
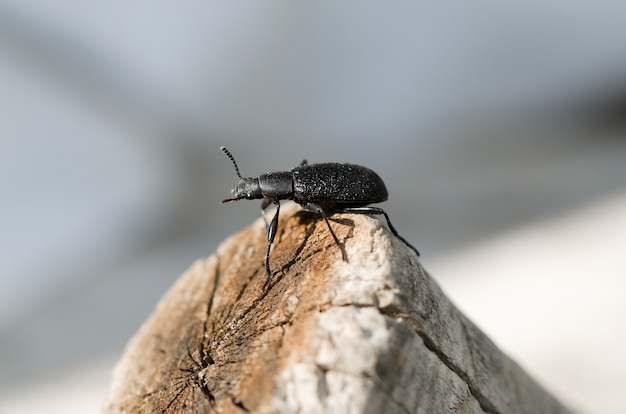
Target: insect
321,188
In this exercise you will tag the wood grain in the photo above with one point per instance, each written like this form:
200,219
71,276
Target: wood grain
374,334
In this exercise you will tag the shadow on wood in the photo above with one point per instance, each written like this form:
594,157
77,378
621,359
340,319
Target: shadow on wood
371,335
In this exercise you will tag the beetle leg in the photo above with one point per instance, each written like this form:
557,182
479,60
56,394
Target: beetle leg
303,163
319,210
271,233
265,204
379,211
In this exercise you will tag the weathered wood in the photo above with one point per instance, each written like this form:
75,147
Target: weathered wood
371,335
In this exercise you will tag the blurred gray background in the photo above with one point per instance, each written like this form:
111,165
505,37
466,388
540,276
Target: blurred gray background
499,129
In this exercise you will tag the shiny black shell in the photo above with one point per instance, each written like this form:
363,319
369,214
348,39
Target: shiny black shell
336,184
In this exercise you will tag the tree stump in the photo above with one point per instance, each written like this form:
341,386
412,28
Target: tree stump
373,334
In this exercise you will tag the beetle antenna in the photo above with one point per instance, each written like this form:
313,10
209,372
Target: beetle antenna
229,155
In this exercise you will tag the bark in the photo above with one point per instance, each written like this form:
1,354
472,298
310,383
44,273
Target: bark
373,334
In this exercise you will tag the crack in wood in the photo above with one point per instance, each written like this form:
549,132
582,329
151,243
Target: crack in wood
431,345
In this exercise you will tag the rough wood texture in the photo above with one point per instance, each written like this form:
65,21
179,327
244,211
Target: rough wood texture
371,335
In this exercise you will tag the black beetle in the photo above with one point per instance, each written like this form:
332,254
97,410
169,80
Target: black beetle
321,188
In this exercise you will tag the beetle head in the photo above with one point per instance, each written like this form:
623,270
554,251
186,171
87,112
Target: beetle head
247,188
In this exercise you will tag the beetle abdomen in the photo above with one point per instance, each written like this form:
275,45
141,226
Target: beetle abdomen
340,184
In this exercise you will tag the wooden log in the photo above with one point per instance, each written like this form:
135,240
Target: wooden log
374,334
